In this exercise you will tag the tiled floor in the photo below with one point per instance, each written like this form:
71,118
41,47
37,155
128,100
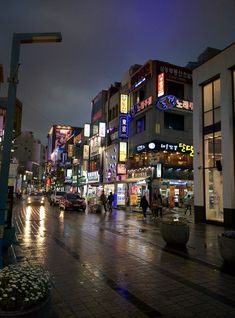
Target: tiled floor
118,266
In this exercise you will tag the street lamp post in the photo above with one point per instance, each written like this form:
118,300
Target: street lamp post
18,39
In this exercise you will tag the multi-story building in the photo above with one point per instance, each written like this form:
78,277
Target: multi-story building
214,122
160,157
30,155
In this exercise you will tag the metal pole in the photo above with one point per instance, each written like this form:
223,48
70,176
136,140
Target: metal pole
7,141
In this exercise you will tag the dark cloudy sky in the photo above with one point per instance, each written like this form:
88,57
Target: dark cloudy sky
101,40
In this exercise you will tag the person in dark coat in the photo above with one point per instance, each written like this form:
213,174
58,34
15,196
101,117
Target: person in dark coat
110,201
103,200
144,205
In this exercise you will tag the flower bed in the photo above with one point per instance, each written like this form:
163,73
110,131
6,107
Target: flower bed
23,287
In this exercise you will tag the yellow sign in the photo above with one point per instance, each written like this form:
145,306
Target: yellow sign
122,151
70,151
123,104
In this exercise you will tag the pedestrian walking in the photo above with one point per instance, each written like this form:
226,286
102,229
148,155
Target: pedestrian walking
103,200
144,205
188,203
110,201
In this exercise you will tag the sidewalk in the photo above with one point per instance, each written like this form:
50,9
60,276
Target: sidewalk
116,265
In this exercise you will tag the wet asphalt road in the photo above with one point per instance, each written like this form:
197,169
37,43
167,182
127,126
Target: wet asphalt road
115,265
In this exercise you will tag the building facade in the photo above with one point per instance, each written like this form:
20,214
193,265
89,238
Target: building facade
214,122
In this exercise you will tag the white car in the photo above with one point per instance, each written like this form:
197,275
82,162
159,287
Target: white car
35,198
55,197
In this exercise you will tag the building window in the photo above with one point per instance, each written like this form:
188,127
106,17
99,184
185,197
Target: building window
140,125
173,121
176,89
211,104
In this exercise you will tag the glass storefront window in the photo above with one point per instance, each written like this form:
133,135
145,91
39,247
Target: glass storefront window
214,195
207,97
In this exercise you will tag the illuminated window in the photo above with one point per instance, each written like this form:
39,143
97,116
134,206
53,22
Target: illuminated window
211,105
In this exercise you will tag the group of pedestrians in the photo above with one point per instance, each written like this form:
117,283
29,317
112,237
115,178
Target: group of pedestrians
107,202
157,205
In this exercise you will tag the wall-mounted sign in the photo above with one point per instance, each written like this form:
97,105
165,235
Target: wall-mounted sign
175,73
160,85
123,126
141,75
186,148
95,144
123,104
70,151
160,145
87,130
86,152
141,106
121,168
166,102
122,151
93,176
95,130
102,129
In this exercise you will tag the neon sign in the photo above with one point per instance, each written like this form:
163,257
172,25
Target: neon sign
123,126
166,102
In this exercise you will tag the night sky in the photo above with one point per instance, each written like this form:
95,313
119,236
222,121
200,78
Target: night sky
101,40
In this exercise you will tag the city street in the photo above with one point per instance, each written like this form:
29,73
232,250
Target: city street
117,265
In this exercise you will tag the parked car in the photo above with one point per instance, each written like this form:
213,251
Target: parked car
72,201
35,198
55,197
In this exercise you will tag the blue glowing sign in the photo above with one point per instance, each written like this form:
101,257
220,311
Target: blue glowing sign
166,102
123,126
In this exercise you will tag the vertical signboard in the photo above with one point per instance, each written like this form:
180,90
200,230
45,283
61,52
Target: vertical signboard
123,126
122,151
123,104
87,130
102,129
86,152
160,85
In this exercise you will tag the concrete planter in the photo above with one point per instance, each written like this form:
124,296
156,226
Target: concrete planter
227,248
175,234
39,311
8,237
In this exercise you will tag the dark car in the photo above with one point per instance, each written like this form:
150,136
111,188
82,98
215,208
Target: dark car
72,201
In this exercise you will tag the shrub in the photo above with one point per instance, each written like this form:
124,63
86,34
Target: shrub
23,286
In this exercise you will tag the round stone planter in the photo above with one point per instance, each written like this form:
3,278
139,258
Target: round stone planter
39,311
227,248
175,234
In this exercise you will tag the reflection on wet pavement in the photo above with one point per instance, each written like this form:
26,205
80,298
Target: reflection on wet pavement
117,265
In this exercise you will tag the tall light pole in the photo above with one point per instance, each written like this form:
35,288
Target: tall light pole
18,39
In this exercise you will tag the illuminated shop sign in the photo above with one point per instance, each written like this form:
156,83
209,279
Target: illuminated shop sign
141,106
93,176
62,135
158,146
86,152
123,126
87,130
95,144
166,102
159,170
186,148
121,168
123,104
141,75
95,130
160,85
70,151
102,129
169,101
176,73
122,151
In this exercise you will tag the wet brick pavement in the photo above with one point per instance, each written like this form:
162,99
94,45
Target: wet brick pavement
118,265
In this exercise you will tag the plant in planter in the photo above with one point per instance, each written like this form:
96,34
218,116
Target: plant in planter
175,231
24,291
226,242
